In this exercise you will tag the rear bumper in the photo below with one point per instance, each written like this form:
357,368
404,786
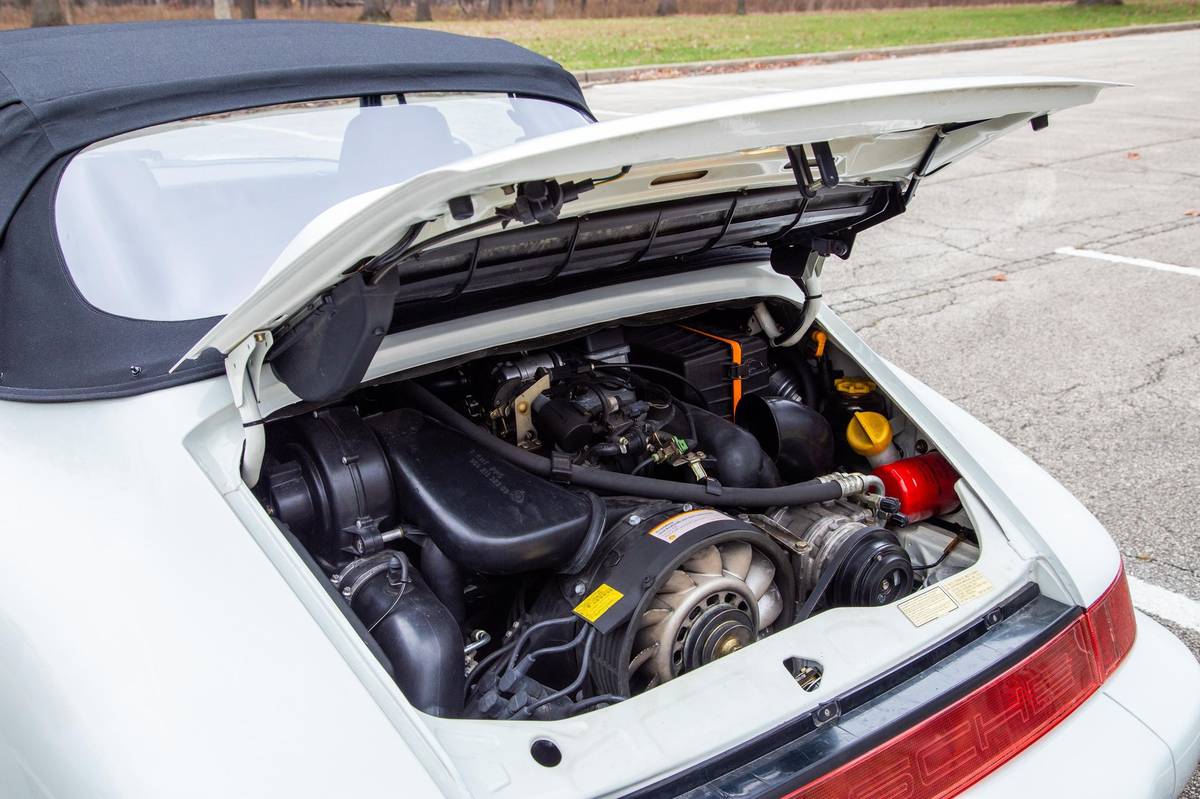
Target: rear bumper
853,724
1138,736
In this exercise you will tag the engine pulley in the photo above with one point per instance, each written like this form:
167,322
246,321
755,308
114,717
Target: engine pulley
876,571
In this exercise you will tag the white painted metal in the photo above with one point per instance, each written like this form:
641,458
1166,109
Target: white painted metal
150,647
1159,683
159,636
878,131
166,596
243,368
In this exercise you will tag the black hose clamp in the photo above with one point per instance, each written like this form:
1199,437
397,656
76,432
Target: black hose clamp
560,467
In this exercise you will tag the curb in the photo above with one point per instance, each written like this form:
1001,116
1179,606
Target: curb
593,77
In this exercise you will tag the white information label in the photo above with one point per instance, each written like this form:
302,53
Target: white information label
965,586
676,526
927,606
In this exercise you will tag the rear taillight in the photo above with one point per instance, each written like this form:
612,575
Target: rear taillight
1110,620
962,743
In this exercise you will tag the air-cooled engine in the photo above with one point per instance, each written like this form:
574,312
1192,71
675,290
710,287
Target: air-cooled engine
539,533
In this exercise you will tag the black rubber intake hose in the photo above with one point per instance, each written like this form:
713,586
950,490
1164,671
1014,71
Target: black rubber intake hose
741,461
420,637
616,482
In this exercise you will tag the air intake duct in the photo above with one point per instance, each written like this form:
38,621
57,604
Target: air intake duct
416,632
341,483
482,512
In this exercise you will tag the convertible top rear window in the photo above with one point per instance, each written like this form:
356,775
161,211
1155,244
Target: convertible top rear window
181,221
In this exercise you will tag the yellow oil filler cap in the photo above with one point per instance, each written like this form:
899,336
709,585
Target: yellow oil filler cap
855,387
869,433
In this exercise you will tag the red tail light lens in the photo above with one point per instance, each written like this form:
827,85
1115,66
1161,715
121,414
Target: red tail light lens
959,745
1113,626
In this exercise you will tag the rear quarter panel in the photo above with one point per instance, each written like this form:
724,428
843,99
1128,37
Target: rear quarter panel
148,648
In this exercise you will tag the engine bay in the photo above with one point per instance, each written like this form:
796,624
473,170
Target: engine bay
540,531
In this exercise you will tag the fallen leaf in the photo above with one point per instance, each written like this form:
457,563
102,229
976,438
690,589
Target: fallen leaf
999,277
1133,155
1192,212
1143,556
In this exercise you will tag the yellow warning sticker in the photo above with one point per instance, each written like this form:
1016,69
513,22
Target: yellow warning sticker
682,523
598,602
927,606
965,586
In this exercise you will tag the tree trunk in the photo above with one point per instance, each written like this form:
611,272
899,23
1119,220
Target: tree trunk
583,8
667,7
495,8
221,10
741,7
51,12
424,12
375,11
249,9
549,7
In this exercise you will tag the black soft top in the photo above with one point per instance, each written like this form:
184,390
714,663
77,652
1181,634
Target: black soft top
62,89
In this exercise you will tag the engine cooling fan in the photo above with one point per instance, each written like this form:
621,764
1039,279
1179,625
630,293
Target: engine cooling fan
716,602
722,593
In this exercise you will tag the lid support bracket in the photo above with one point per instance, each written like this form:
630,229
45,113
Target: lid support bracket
801,172
243,367
926,159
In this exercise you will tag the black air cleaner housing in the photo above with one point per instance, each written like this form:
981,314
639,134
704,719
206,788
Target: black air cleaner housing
328,481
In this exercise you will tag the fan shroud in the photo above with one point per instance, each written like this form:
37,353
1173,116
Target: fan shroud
719,595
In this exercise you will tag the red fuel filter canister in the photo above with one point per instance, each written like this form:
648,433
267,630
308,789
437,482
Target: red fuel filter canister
924,485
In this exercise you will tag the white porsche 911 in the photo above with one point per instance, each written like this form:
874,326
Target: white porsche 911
375,423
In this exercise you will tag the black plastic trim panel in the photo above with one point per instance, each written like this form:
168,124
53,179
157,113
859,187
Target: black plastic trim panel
801,750
541,261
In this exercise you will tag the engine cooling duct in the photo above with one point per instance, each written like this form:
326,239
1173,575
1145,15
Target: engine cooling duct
674,588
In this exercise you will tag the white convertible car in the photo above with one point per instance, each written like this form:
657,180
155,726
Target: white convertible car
375,423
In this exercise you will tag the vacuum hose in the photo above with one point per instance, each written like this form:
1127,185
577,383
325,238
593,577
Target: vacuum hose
616,482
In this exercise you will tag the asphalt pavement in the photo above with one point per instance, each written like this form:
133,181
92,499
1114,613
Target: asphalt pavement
1050,283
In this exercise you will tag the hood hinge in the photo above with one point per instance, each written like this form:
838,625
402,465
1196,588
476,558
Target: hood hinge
243,367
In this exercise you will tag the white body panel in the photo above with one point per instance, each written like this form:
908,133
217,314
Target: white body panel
159,635
161,638
878,131
148,646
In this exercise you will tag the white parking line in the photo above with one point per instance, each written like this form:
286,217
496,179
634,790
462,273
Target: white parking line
1123,259
1165,604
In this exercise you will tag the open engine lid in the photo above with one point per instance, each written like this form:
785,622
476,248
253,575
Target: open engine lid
665,185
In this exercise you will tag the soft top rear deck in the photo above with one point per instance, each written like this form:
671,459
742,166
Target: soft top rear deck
62,89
